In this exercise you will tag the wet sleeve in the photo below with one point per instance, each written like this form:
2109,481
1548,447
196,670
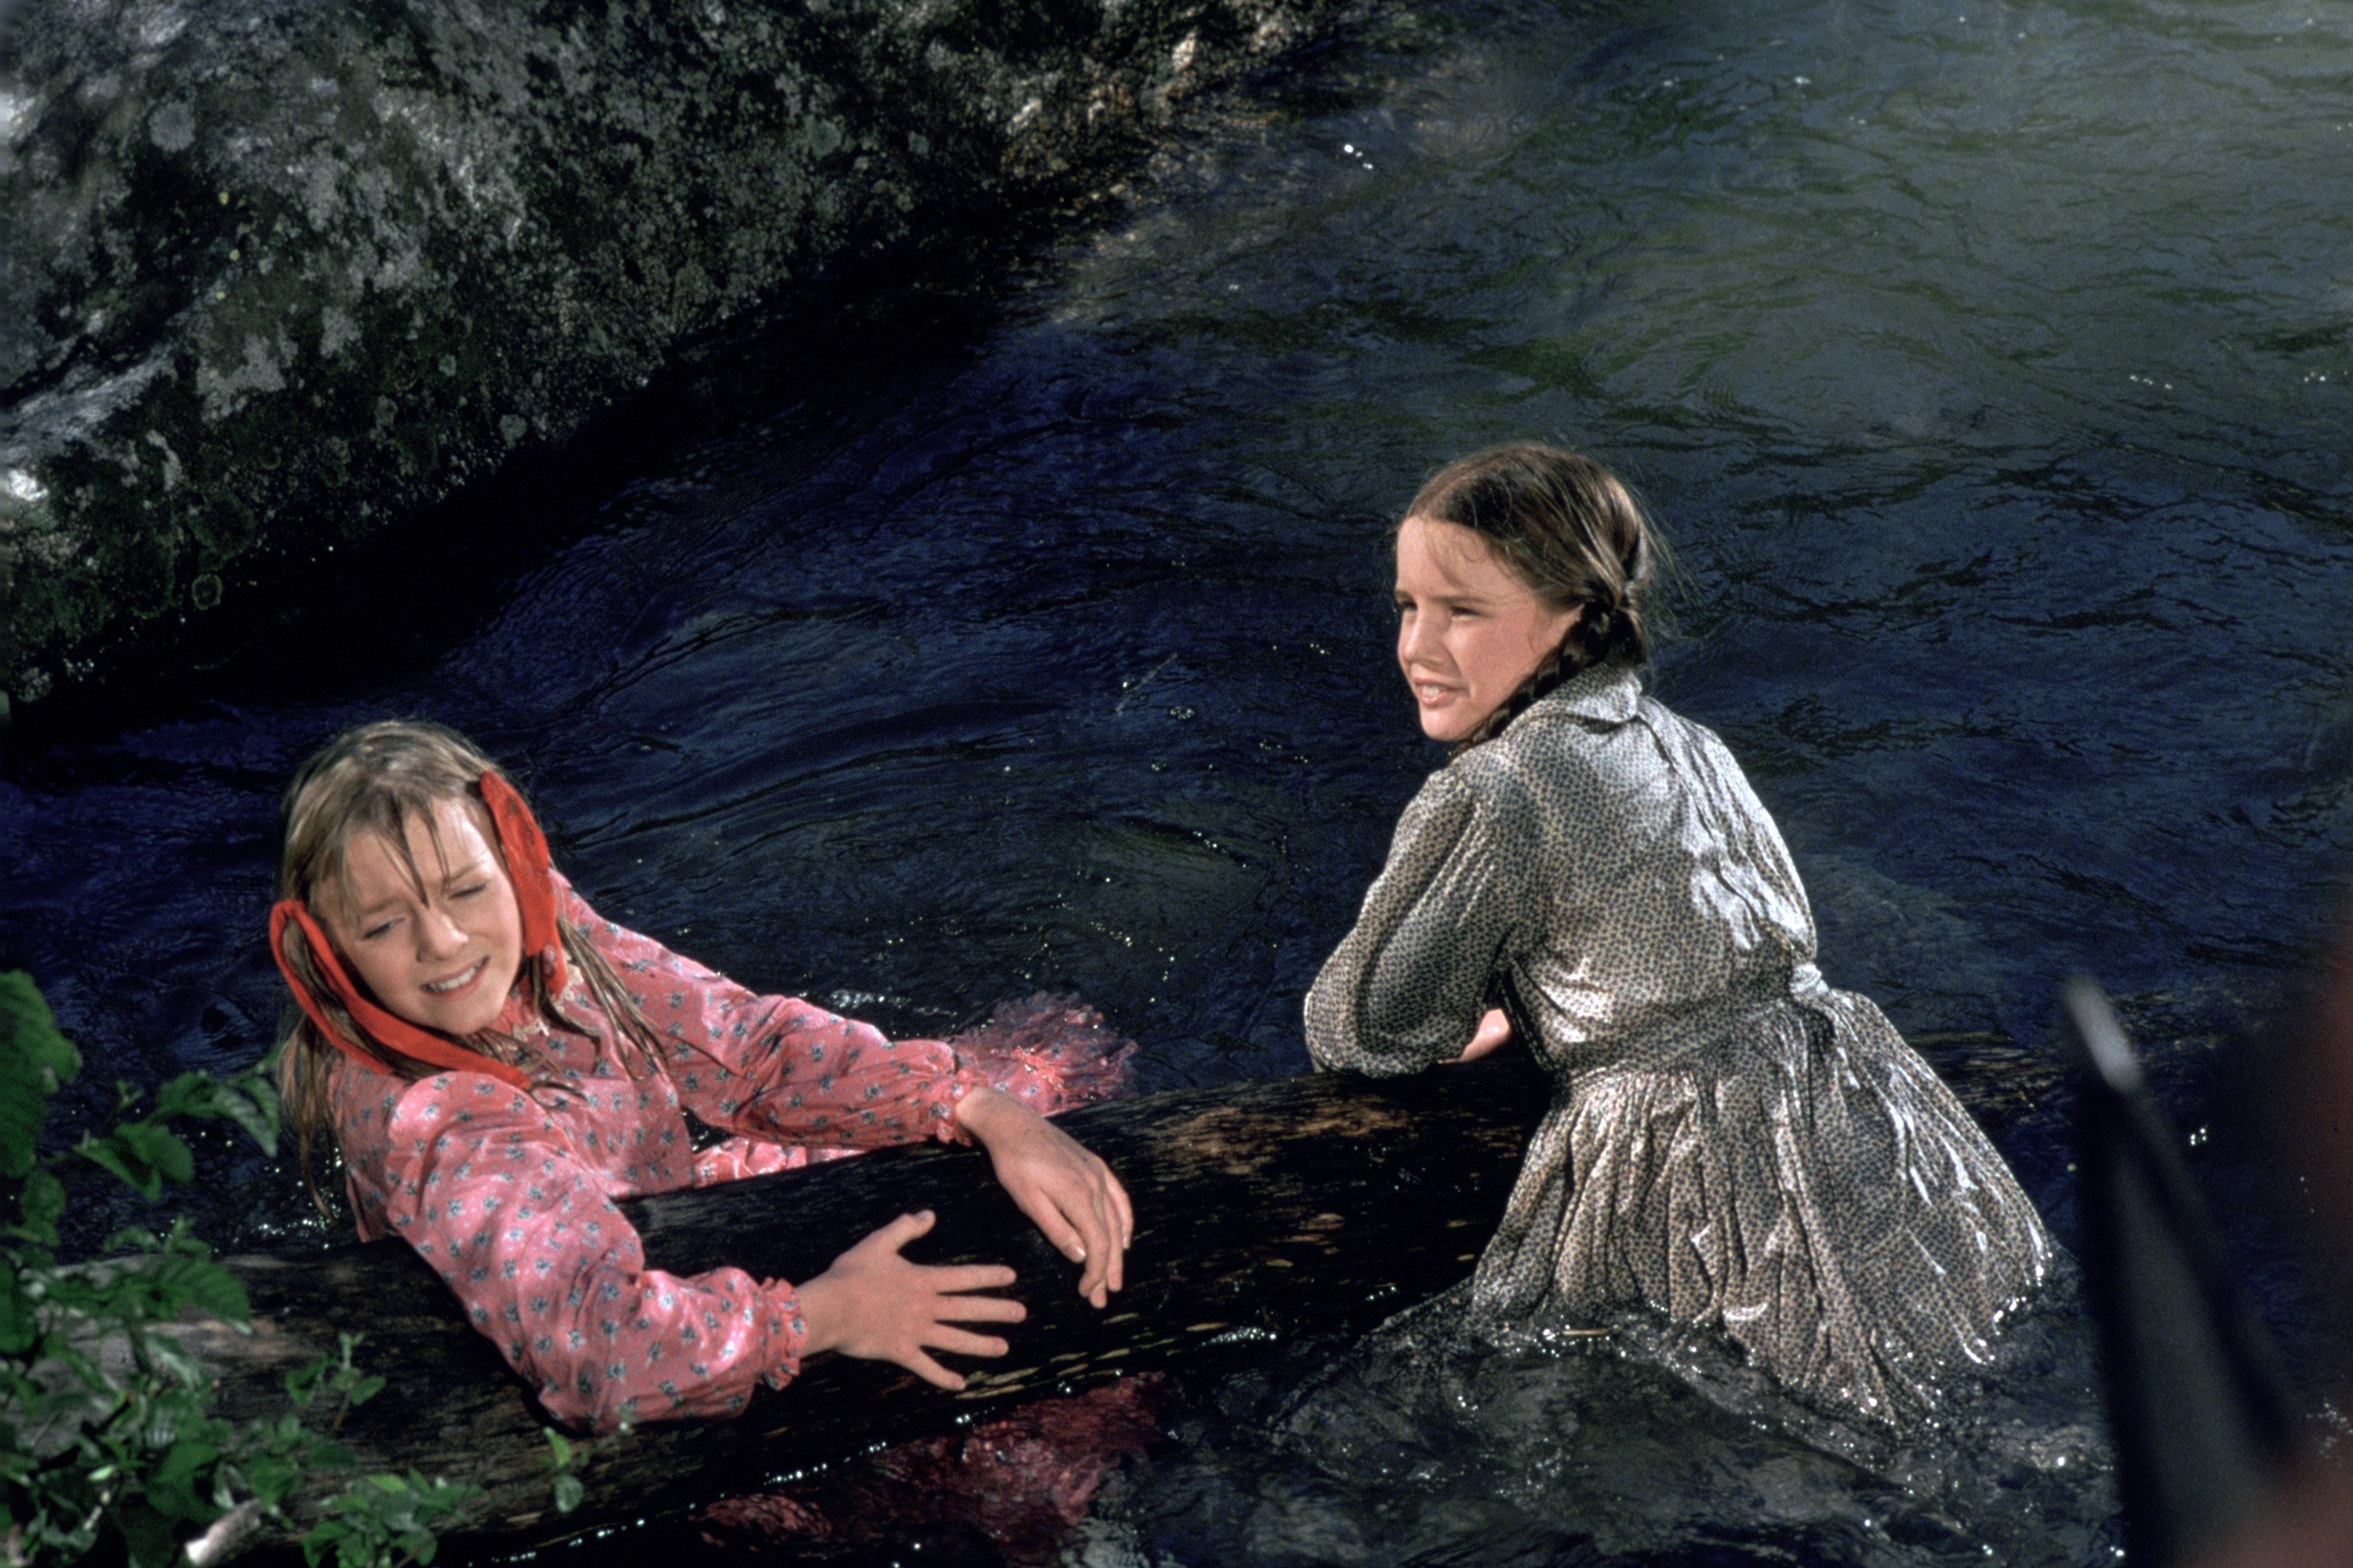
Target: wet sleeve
776,1067
1406,986
474,1176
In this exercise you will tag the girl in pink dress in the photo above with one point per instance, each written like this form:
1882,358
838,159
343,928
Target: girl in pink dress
498,1065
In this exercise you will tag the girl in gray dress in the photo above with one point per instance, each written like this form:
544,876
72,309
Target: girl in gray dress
1730,1141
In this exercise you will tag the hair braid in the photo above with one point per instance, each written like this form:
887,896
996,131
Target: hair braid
1558,665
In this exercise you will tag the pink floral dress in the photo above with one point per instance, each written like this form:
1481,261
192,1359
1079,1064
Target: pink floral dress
509,1196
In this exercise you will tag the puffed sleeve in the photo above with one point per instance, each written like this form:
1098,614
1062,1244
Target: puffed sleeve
480,1182
1406,986
776,1067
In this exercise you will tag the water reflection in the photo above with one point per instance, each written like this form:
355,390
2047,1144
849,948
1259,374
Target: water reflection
1647,1445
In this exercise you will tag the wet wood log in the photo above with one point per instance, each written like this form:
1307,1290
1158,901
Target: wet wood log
1263,1209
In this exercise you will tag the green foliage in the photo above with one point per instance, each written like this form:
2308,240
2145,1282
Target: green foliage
104,1430
385,1520
563,1459
35,1060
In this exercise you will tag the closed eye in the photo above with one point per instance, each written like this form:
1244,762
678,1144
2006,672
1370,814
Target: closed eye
469,890
379,929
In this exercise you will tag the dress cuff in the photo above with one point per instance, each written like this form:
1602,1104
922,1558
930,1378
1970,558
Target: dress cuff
780,1315
948,1092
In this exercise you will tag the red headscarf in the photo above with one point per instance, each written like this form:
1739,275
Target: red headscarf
525,848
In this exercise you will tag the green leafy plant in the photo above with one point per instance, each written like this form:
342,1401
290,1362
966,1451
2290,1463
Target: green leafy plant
563,1459
105,1432
385,1519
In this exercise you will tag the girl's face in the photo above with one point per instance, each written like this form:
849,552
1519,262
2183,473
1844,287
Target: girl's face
1469,630
441,944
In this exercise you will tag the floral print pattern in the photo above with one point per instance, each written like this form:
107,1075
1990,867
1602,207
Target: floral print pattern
510,1195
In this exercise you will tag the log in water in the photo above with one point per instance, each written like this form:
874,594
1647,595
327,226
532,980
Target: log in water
1262,1208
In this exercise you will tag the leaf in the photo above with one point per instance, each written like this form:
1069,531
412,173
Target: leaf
249,1100
568,1491
262,1089
34,1060
320,1541
175,1360
161,1147
329,1455
190,1094
20,1322
270,1479
41,1203
145,1154
304,1380
110,1154
189,1281
130,1238
260,1120
171,1485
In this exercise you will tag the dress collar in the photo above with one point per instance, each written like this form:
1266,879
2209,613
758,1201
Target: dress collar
1606,694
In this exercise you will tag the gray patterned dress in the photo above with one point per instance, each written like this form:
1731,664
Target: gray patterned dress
1731,1141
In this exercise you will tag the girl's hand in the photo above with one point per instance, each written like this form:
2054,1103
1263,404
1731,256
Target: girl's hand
1495,1032
877,1306
1071,1195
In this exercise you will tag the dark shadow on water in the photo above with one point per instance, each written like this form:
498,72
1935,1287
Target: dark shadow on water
396,604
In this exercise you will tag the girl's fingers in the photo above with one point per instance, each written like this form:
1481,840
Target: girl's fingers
1126,1208
929,1370
964,1343
1114,1233
1117,1211
1103,1253
950,1279
979,1310
905,1229
1117,1276
1056,1228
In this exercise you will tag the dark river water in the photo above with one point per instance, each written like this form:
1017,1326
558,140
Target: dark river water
1987,366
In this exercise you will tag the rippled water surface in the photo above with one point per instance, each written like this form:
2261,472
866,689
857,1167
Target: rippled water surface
1987,365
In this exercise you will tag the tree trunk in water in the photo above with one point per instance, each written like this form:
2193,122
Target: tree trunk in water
1263,1209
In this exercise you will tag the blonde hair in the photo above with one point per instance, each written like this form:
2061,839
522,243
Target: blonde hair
1575,534
377,778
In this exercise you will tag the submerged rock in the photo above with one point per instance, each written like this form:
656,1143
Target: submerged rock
273,275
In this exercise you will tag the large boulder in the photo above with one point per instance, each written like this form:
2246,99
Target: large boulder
273,274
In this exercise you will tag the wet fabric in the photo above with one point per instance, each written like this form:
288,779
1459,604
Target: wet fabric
1731,1141
510,1195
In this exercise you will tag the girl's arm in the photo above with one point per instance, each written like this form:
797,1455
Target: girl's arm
778,1067
472,1174
1410,985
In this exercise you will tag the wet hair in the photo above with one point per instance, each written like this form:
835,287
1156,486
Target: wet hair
377,778
1572,531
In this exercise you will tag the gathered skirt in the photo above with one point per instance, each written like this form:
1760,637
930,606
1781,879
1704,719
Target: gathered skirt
1806,1183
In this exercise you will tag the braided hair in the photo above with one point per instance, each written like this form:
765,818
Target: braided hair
1576,535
